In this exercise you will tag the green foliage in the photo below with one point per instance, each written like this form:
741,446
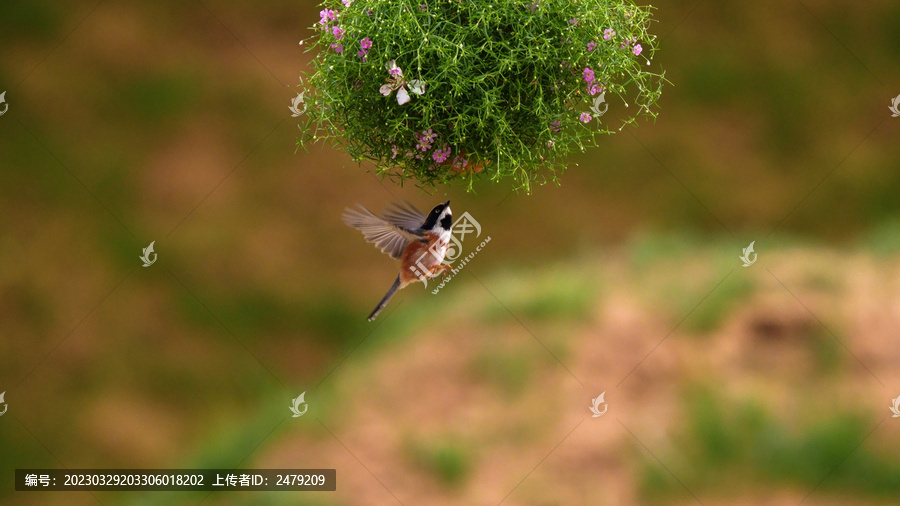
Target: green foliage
448,461
510,371
508,84
729,442
713,310
564,293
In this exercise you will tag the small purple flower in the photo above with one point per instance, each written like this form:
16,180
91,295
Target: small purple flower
585,117
369,12
637,49
346,2
365,44
591,46
460,162
588,75
555,126
441,156
550,143
337,32
595,88
423,7
393,152
608,34
425,139
338,47
573,21
532,7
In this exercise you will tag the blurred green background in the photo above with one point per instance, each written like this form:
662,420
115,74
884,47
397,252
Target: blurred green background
131,122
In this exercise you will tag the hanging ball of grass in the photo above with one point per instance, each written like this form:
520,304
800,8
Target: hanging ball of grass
454,90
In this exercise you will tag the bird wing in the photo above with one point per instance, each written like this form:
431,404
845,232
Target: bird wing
391,233
405,216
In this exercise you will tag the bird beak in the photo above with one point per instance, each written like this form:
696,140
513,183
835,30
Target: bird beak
447,203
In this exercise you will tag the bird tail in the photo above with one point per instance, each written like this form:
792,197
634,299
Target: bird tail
385,300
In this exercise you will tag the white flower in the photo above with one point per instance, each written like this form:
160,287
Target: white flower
393,69
402,96
397,82
417,86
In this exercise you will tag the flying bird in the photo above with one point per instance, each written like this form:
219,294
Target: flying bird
404,233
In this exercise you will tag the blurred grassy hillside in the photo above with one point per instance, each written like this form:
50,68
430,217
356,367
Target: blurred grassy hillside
131,122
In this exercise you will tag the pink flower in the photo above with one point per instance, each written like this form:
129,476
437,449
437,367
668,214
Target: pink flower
554,126
337,32
588,75
441,156
637,49
591,46
425,139
327,15
394,152
365,44
338,47
585,117
573,21
595,88
346,2
608,33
